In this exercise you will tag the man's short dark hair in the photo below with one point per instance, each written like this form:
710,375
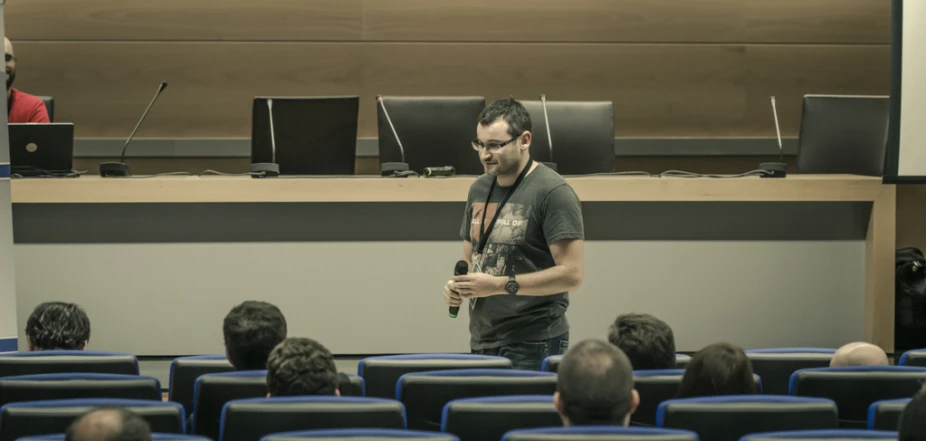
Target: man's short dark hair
595,384
252,329
718,369
647,341
58,325
301,366
509,109
912,425
127,427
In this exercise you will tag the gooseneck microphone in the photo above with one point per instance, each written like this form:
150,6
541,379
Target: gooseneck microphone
268,169
397,169
121,168
460,269
546,121
776,169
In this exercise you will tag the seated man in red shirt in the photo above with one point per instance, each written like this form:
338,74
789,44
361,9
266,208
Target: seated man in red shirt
21,107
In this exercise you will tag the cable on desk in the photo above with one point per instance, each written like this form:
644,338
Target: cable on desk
179,173
33,172
685,174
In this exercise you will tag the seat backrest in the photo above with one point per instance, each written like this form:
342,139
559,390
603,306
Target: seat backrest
682,361
360,434
654,387
68,386
727,418
913,357
351,385
250,420
475,419
775,366
435,131
155,436
61,362
54,416
821,435
843,134
213,391
381,373
582,133
426,393
185,370
600,433
49,106
551,363
885,414
855,388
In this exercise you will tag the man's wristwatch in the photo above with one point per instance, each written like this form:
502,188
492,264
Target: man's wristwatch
512,286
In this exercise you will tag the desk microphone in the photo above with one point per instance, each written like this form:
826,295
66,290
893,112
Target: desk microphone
460,269
121,168
392,168
268,169
778,169
446,170
546,120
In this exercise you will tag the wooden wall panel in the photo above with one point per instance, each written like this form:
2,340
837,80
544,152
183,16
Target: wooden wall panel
818,21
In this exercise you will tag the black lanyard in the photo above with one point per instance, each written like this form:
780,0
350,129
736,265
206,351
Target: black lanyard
484,237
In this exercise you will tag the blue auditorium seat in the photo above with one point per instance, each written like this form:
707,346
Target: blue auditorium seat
155,436
656,386
65,386
475,419
365,434
913,357
212,391
600,433
885,414
821,435
381,373
61,361
551,363
54,416
775,365
185,370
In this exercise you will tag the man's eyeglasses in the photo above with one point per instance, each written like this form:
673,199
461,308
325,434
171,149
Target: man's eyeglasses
492,146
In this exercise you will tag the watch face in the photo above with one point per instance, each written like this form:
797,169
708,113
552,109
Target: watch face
511,287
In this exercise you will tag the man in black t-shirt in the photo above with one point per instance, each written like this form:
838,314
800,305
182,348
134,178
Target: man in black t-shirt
529,220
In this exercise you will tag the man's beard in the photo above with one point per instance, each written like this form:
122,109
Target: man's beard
11,77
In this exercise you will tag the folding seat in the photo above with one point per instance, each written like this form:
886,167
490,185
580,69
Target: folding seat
64,386
154,437
488,418
656,386
54,416
213,391
551,363
382,372
885,414
913,357
600,433
61,362
185,370
360,434
776,365
822,435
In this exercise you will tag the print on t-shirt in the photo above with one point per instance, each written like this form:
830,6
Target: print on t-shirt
501,256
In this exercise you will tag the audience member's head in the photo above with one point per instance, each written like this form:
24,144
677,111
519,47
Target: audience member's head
595,385
647,341
301,366
109,424
859,354
912,426
10,63
58,325
718,369
252,329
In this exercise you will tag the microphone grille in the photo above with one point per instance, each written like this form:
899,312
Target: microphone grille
461,268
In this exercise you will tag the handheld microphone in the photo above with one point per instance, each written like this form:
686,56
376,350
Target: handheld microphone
446,170
121,168
268,169
546,121
392,168
777,169
460,269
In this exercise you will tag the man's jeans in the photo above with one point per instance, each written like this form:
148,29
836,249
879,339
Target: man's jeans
529,355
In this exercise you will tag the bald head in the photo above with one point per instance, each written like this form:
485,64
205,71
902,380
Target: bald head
595,385
109,424
859,354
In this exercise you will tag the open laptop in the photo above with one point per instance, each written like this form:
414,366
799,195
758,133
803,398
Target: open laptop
41,149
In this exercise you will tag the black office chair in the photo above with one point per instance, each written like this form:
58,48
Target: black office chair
185,370
435,131
65,386
843,134
360,434
54,416
775,365
250,420
214,391
49,106
822,435
62,361
885,414
426,393
582,133
600,433
381,373
854,388
727,418
913,357
475,419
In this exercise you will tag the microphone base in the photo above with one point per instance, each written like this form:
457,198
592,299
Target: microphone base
394,169
115,169
265,170
551,166
777,169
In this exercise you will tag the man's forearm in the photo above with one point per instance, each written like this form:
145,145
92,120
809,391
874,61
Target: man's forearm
553,280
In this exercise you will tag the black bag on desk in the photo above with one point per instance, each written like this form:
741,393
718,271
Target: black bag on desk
910,299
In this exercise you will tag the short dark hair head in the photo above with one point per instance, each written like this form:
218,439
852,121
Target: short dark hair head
252,329
509,109
109,423
912,426
58,325
648,342
595,384
301,366
718,369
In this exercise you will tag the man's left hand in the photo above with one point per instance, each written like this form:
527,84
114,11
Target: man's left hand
476,285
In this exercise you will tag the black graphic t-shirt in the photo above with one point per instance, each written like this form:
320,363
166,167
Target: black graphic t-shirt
543,209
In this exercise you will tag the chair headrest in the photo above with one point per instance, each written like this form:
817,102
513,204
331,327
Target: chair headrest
913,353
62,353
792,351
360,433
155,436
739,403
599,433
643,373
845,434
91,403
427,359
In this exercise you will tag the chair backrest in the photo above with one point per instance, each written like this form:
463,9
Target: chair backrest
426,393
250,420
49,106
351,385
843,134
475,419
70,386
656,386
855,388
360,434
885,414
213,391
582,133
682,361
185,370
600,433
54,416
727,418
913,357
775,365
435,131
821,435
155,436
381,373
61,362
551,363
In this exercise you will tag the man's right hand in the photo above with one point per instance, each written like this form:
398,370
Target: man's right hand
451,298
